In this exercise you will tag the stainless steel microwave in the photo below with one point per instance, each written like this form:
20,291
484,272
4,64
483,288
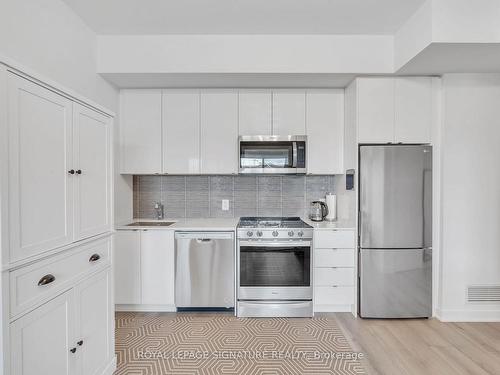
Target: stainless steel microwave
272,154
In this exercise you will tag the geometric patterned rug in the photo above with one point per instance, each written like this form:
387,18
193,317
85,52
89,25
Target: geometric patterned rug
185,343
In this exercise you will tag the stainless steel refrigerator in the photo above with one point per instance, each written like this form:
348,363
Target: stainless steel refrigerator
395,229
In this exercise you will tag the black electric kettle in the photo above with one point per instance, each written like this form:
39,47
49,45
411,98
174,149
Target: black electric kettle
319,210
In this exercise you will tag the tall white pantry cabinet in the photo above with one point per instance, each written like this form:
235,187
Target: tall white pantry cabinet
56,224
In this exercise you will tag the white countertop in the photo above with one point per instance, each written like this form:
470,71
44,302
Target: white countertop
214,224
331,225
202,224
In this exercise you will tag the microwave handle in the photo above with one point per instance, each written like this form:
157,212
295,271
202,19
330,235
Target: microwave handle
294,157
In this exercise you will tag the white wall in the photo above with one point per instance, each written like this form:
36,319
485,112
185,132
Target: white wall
470,193
46,36
414,36
466,21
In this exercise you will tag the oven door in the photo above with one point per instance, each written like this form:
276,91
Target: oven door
272,154
274,270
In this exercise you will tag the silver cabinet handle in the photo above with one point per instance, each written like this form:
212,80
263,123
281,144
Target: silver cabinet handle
47,279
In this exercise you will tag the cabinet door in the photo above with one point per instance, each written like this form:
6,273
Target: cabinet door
127,262
181,131
289,112
413,106
157,267
140,132
94,339
40,187
219,132
91,150
325,131
375,110
41,340
255,112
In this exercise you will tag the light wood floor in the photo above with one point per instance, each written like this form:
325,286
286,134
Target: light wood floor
427,346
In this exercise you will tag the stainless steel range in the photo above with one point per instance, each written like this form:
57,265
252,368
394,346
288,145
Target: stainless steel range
274,267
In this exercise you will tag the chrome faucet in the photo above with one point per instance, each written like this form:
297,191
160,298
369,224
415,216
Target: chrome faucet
159,210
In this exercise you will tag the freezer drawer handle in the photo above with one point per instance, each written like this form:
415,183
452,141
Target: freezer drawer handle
204,240
47,279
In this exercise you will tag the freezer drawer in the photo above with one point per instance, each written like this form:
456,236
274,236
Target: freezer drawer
204,270
396,283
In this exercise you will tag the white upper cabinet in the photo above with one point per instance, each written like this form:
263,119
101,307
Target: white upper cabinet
289,112
255,112
140,131
325,131
91,150
219,132
413,105
394,110
40,157
157,267
181,131
375,110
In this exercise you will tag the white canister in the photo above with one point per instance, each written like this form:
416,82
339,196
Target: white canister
331,202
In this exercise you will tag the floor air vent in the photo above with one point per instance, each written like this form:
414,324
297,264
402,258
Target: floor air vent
483,293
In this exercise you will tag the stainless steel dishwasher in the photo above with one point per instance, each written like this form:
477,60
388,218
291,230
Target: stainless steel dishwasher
204,270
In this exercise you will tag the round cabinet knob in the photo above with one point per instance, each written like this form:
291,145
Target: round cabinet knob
249,233
259,233
275,233
71,171
290,234
78,171
300,234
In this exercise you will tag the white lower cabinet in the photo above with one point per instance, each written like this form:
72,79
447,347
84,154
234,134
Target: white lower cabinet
70,334
95,344
334,271
40,341
144,270
157,267
127,262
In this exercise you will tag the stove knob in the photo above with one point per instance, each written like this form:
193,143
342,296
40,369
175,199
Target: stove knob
259,233
290,234
275,233
249,233
300,233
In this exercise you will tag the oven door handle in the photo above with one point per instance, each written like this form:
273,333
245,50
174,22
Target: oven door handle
275,244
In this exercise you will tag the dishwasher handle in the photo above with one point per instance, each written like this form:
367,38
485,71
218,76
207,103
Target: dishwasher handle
204,236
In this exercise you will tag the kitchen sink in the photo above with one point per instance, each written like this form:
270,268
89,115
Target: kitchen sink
151,224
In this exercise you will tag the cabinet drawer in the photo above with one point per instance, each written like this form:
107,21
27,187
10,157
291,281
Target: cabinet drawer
58,272
334,257
326,239
328,295
333,276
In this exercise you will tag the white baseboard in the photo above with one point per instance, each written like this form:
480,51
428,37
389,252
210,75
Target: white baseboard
146,308
333,308
468,315
111,367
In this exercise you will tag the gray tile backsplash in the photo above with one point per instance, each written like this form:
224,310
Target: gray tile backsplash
201,196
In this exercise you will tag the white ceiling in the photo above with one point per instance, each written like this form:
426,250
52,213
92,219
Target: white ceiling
244,16
442,58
